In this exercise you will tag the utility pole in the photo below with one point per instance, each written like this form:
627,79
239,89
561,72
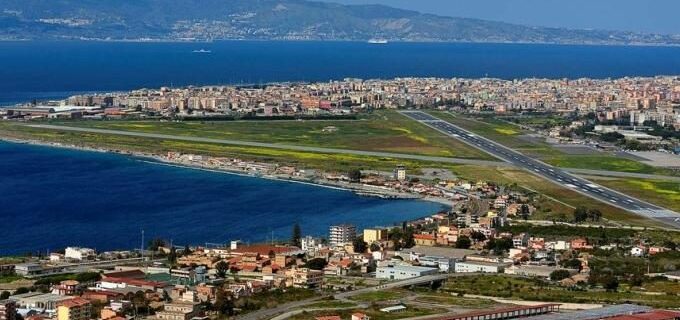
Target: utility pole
142,247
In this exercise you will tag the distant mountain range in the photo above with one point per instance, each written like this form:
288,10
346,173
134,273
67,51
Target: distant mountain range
272,20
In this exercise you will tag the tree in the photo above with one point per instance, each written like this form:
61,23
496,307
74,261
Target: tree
375,247
296,238
360,245
610,283
478,236
594,215
580,214
499,245
156,243
222,268
21,290
572,264
4,295
524,212
463,242
172,256
187,250
316,264
224,305
559,275
354,175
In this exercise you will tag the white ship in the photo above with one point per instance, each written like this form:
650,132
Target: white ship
202,51
378,41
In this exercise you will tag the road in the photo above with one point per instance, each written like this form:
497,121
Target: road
270,145
556,175
270,313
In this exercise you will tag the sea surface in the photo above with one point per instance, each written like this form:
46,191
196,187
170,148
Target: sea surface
51,198
44,70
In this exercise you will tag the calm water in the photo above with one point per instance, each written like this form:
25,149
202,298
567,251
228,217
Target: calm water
51,198
31,70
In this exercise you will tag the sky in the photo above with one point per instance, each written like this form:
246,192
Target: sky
655,16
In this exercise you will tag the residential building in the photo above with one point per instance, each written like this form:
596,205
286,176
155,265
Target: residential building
178,311
66,288
375,235
400,173
401,272
79,254
340,235
425,239
74,309
304,278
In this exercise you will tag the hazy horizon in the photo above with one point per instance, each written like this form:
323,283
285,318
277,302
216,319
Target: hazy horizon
620,15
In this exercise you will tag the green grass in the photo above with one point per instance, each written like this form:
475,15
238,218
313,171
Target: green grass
601,162
538,290
453,300
385,131
377,296
10,278
662,193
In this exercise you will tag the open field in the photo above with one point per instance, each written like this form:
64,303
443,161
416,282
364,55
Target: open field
557,203
385,131
511,136
538,290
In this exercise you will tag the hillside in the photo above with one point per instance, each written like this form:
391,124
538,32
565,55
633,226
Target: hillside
271,19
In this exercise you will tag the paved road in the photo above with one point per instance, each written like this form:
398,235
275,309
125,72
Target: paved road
396,284
271,145
549,172
270,313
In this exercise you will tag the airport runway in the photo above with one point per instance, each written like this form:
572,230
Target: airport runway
549,172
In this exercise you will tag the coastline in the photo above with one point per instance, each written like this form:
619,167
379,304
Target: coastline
357,189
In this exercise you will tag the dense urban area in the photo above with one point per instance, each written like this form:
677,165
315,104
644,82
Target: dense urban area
511,245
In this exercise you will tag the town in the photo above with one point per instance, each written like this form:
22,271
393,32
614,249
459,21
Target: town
642,110
449,259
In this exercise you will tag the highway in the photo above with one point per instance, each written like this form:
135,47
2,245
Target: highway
556,175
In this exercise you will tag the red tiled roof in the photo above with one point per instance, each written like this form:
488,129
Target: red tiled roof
136,282
264,249
75,302
423,236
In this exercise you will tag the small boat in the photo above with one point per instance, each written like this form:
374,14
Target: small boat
378,41
202,51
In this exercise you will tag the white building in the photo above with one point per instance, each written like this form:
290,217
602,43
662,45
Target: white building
79,254
310,243
341,234
444,264
478,266
400,272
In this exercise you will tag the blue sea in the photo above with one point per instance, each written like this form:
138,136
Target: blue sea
51,198
43,70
